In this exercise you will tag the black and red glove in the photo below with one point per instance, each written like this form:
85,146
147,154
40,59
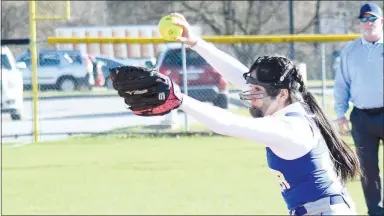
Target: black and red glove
146,91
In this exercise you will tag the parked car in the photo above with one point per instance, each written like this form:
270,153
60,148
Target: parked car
204,82
143,62
65,70
108,63
11,85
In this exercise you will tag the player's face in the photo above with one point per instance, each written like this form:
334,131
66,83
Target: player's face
256,94
371,25
260,101
256,97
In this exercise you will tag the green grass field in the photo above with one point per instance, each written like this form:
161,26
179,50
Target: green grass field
120,175
145,175
102,91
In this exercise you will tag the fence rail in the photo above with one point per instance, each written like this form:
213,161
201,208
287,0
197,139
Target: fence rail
92,108
214,39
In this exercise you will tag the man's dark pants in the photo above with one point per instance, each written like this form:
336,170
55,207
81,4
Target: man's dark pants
367,131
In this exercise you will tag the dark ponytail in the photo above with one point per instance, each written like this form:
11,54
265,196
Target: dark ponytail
344,158
281,71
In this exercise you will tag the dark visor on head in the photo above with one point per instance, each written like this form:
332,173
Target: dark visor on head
265,78
250,80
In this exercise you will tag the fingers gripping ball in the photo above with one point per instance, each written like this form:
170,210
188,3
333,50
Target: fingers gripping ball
168,30
146,91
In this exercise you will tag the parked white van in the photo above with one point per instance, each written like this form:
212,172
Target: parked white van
11,83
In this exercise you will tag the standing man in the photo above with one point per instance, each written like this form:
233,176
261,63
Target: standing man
360,80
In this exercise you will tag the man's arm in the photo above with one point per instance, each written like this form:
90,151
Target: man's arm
288,137
230,68
342,86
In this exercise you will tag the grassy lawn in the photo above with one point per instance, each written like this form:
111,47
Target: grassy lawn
103,91
237,110
316,83
117,174
120,175
52,93
310,83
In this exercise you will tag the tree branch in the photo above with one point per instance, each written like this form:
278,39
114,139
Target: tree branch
314,20
225,12
202,15
248,15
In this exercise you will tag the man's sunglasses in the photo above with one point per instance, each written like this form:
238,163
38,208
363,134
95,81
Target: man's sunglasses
366,19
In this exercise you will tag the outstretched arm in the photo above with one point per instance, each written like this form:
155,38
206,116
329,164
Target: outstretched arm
230,68
288,137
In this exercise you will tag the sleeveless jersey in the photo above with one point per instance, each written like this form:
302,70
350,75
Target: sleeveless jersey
308,178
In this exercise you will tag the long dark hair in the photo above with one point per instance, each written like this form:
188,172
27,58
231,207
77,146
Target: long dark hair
344,158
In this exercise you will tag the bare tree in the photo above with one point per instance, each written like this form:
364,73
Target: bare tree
215,18
245,18
137,12
14,18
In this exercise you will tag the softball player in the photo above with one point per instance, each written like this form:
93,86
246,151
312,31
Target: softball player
311,161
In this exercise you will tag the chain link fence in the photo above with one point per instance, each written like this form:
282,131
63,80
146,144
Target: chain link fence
76,97
76,94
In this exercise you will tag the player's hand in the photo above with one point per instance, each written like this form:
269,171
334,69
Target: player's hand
188,37
343,125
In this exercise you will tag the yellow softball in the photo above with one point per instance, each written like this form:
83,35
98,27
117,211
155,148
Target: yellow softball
168,30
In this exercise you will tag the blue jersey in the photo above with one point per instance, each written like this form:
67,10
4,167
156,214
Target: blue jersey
308,178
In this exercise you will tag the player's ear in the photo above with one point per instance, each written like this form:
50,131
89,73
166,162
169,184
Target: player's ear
284,94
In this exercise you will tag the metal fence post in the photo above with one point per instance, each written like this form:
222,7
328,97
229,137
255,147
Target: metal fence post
330,25
323,74
35,91
291,31
185,82
33,18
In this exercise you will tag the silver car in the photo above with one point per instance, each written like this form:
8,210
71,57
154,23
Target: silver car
59,69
